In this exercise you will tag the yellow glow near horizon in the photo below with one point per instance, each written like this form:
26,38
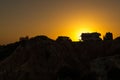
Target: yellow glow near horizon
82,29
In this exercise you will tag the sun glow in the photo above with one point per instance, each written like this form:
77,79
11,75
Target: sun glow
82,29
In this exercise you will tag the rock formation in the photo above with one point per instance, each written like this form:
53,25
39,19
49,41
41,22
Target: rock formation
41,58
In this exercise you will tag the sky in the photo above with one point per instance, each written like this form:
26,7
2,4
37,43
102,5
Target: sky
53,18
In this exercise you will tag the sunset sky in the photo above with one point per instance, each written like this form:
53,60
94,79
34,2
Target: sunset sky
57,18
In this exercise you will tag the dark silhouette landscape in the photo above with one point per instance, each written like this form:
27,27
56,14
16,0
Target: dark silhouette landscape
41,58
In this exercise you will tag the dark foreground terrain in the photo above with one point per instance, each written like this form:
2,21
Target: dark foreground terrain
41,58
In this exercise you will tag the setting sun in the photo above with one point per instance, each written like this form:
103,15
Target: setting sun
82,29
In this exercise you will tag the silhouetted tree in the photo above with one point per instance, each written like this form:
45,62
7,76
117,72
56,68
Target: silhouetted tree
63,38
108,36
24,38
91,36
41,38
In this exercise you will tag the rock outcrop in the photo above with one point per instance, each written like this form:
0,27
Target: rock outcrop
41,58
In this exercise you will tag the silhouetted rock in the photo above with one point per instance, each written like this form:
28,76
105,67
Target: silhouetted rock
90,76
117,39
41,58
66,73
7,50
107,68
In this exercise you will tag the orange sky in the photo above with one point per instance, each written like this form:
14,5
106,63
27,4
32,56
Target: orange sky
57,17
